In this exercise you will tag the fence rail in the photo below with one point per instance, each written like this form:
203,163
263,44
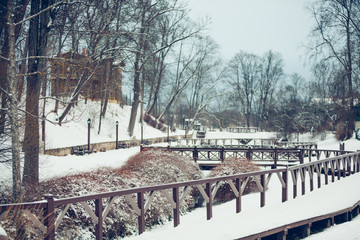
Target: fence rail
337,167
241,142
263,156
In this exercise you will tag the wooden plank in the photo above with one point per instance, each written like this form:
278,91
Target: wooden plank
149,200
203,193
108,206
233,188
133,204
244,185
90,212
185,192
37,223
215,189
61,216
169,198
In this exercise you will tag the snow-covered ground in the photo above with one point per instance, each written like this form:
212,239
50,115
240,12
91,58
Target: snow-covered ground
74,130
225,223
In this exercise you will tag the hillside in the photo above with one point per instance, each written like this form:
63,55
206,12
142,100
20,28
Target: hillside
74,129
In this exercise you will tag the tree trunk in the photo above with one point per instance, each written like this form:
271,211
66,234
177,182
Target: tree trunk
108,85
350,100
157,89
3,80
37,47
137,84
135,103
13,112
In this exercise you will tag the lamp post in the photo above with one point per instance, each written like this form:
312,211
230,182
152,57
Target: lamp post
117,134
89,122
142,133
168,132
43,118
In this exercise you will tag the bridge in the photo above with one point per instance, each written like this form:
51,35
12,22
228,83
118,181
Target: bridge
207,156
315,173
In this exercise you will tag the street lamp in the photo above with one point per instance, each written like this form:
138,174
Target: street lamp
142,133
117,134
89,122
43,118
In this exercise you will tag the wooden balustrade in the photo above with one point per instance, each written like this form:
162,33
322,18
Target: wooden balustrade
209,156
337,167
241,142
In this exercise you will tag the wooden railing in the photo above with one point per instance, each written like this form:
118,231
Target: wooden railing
243,129
263,156
336,167
241,142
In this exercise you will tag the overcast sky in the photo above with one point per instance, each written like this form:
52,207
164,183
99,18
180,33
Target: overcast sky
257,26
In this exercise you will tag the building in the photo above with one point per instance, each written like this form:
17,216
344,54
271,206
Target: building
97,78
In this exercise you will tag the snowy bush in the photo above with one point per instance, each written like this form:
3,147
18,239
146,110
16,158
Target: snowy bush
232,166
144,169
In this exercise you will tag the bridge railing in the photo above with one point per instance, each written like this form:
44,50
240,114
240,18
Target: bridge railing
263,156
139,199
334,167
241,142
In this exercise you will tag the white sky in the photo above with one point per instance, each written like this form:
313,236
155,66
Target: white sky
257,26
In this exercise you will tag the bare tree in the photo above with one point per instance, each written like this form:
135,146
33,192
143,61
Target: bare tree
148,12
271,71
334,39
244,77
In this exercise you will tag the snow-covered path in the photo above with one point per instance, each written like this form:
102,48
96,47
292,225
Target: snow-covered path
225,224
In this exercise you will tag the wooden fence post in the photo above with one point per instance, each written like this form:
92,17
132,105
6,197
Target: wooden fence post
303,180
262,193
49,220
99,225
209,204
176,210
301,156
141,217
342,146
195,154
238,198
326,172
275,158
285,188
222,158
311,173
248,154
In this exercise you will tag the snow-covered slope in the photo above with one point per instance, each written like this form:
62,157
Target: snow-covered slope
74,129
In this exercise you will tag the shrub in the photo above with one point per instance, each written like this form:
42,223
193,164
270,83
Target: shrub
232,166
144,169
